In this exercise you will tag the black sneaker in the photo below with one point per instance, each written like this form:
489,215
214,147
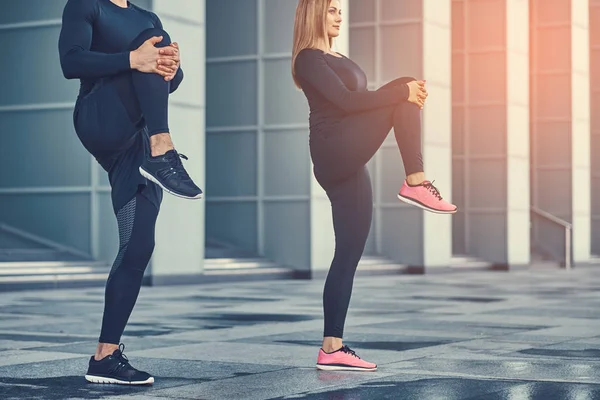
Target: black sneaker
168,172
116,369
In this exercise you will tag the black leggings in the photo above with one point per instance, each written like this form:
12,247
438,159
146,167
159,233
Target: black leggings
340,157
136,220
114,121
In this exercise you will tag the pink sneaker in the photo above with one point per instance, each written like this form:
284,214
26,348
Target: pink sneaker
343,359
427,197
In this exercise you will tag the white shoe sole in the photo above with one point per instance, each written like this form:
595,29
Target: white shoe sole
151,178
416,204
324,367
100,379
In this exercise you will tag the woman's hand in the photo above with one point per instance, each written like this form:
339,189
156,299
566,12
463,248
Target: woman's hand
417,93
169,60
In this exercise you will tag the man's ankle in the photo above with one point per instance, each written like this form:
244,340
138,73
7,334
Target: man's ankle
160,143
104,349
158,151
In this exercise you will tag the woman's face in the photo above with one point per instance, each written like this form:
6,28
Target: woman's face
334,18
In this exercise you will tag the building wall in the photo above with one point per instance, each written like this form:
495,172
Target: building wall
180,226
560,123
49,185
253,159
258,165
391,39
594,37
490,130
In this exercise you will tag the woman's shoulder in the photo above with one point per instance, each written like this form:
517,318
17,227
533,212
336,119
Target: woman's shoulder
310,54
310,51
314,52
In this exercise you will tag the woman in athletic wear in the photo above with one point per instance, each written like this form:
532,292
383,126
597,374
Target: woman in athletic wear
348,124
127,66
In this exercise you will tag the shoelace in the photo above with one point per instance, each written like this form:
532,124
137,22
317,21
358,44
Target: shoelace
429,186
348,350
123,360
176,166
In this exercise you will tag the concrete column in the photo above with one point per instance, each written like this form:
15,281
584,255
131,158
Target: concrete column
594,36
436,54
518,249
179,251
490,130
561,124
580,120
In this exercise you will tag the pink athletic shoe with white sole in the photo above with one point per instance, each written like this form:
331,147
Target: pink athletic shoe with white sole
427,197
343,359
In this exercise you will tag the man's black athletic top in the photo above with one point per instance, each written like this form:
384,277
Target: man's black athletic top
336,86
95,38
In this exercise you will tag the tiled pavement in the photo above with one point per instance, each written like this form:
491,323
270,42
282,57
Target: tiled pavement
480,335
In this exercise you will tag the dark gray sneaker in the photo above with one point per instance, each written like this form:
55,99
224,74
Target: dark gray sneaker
168,172
117,370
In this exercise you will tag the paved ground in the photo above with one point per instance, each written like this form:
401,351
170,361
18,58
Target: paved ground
483,335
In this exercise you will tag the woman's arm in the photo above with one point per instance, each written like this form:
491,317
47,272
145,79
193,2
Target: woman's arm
312,68
76,59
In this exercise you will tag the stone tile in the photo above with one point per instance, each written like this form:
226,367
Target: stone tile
241,332
399,387
21,345
269,385
433,336
545,390
284,355
75,386
146,396
579,371
488,347
408,332
43,338
14,357
356,340
131,344
531,339
474,328
568,331
164,370
581,311
567,350
60,379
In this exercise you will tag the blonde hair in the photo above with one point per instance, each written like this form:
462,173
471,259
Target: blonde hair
310,28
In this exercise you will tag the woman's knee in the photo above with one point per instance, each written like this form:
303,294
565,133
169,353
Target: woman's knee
404,109
346,258
147,34
406,79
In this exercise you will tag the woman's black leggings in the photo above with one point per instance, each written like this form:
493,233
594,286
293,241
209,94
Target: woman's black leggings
340,157
114,121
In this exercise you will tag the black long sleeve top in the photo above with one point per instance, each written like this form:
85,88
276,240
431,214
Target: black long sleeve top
95,38
336,87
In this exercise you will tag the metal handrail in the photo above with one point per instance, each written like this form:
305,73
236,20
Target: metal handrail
568,231
43,241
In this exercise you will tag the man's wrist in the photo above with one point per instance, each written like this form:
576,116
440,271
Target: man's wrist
132,60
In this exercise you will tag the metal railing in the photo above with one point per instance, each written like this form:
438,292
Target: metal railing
43,241
568,231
